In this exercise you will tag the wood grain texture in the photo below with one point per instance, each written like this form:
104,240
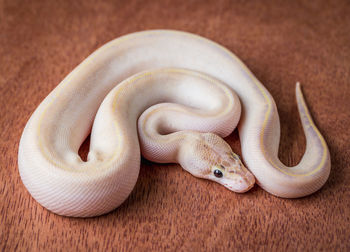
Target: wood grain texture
169,210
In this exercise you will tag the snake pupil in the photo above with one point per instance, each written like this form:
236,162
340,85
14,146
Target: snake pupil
218,173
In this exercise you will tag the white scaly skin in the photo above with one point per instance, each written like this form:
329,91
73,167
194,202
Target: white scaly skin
66,185
54,174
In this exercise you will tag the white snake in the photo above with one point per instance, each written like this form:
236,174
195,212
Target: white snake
182,75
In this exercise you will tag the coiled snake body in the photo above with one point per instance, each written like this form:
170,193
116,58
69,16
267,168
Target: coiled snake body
172,91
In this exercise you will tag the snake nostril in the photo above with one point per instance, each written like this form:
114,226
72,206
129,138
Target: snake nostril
249,180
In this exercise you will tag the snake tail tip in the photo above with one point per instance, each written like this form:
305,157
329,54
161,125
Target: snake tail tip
298,92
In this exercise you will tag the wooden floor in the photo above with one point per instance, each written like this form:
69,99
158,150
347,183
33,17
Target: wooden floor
282,42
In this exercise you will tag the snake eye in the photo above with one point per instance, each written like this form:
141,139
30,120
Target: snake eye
218,173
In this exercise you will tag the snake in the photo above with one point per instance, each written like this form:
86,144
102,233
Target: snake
171,96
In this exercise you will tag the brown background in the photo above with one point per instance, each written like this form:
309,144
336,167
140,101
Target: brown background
169,210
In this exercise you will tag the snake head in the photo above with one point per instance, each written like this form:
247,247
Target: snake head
208,156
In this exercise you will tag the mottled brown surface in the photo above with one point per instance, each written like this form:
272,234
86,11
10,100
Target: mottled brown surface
169,210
